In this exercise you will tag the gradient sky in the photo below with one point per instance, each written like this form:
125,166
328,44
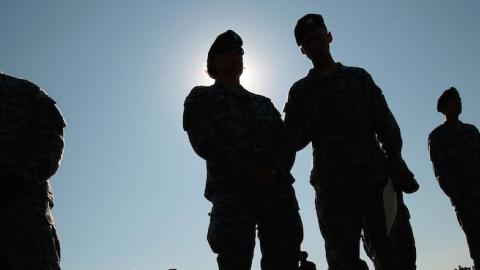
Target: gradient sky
129,194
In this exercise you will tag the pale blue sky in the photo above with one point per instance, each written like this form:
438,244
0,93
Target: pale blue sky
129,194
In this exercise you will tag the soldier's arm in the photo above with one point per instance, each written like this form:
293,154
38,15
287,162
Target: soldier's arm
47,136
285,151
296,121
385,125
440,166
205,140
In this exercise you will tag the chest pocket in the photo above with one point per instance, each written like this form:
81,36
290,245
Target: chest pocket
228,119
263,125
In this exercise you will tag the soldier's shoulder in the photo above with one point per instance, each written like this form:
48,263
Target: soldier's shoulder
43,97
300,86
472,129
264,101
8,79
470,126
259,97
19,86
354,71
437,132
302,82
198,93
47,104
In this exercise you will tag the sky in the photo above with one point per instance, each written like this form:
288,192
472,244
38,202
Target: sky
129,193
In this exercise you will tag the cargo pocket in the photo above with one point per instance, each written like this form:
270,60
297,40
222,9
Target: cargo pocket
232,226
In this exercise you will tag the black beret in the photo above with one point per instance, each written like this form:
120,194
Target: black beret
224,42
305,24
447,95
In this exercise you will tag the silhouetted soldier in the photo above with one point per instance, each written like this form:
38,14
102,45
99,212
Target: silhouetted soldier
31,146
243,140
343,113
455,154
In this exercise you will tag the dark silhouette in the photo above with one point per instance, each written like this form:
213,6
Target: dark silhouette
31,146
242,138
401,235
455,154
356,145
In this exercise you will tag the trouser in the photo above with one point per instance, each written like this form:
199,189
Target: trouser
401,236
233,222
28,236
345,205
468,214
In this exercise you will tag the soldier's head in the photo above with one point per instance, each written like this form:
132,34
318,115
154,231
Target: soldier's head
313,37
450,103
225,55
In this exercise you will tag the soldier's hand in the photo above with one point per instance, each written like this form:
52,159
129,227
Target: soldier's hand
263,179
403,179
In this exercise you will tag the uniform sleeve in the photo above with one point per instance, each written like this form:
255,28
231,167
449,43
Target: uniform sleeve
476,147
47,147
285,152
385,125
204,137
440,165
296,121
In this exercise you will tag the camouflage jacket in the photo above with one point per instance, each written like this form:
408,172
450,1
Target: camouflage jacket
348,121
31,139
234,130
455,154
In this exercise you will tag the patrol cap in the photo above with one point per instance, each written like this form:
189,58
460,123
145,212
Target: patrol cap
225,42
306,24
447,95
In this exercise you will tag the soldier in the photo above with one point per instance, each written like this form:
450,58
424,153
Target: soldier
455,154
31,146
345,116
242,138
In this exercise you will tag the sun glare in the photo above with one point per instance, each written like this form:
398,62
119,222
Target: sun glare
248,78
251,78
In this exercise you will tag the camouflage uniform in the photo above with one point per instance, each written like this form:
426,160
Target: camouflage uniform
401,235
31,144
403,239
234,130
455,154
344,115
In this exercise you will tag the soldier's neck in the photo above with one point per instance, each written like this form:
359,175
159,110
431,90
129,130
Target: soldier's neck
228,82
324,67
452,120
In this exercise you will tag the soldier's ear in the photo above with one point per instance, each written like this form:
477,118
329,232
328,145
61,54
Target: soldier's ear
329,37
